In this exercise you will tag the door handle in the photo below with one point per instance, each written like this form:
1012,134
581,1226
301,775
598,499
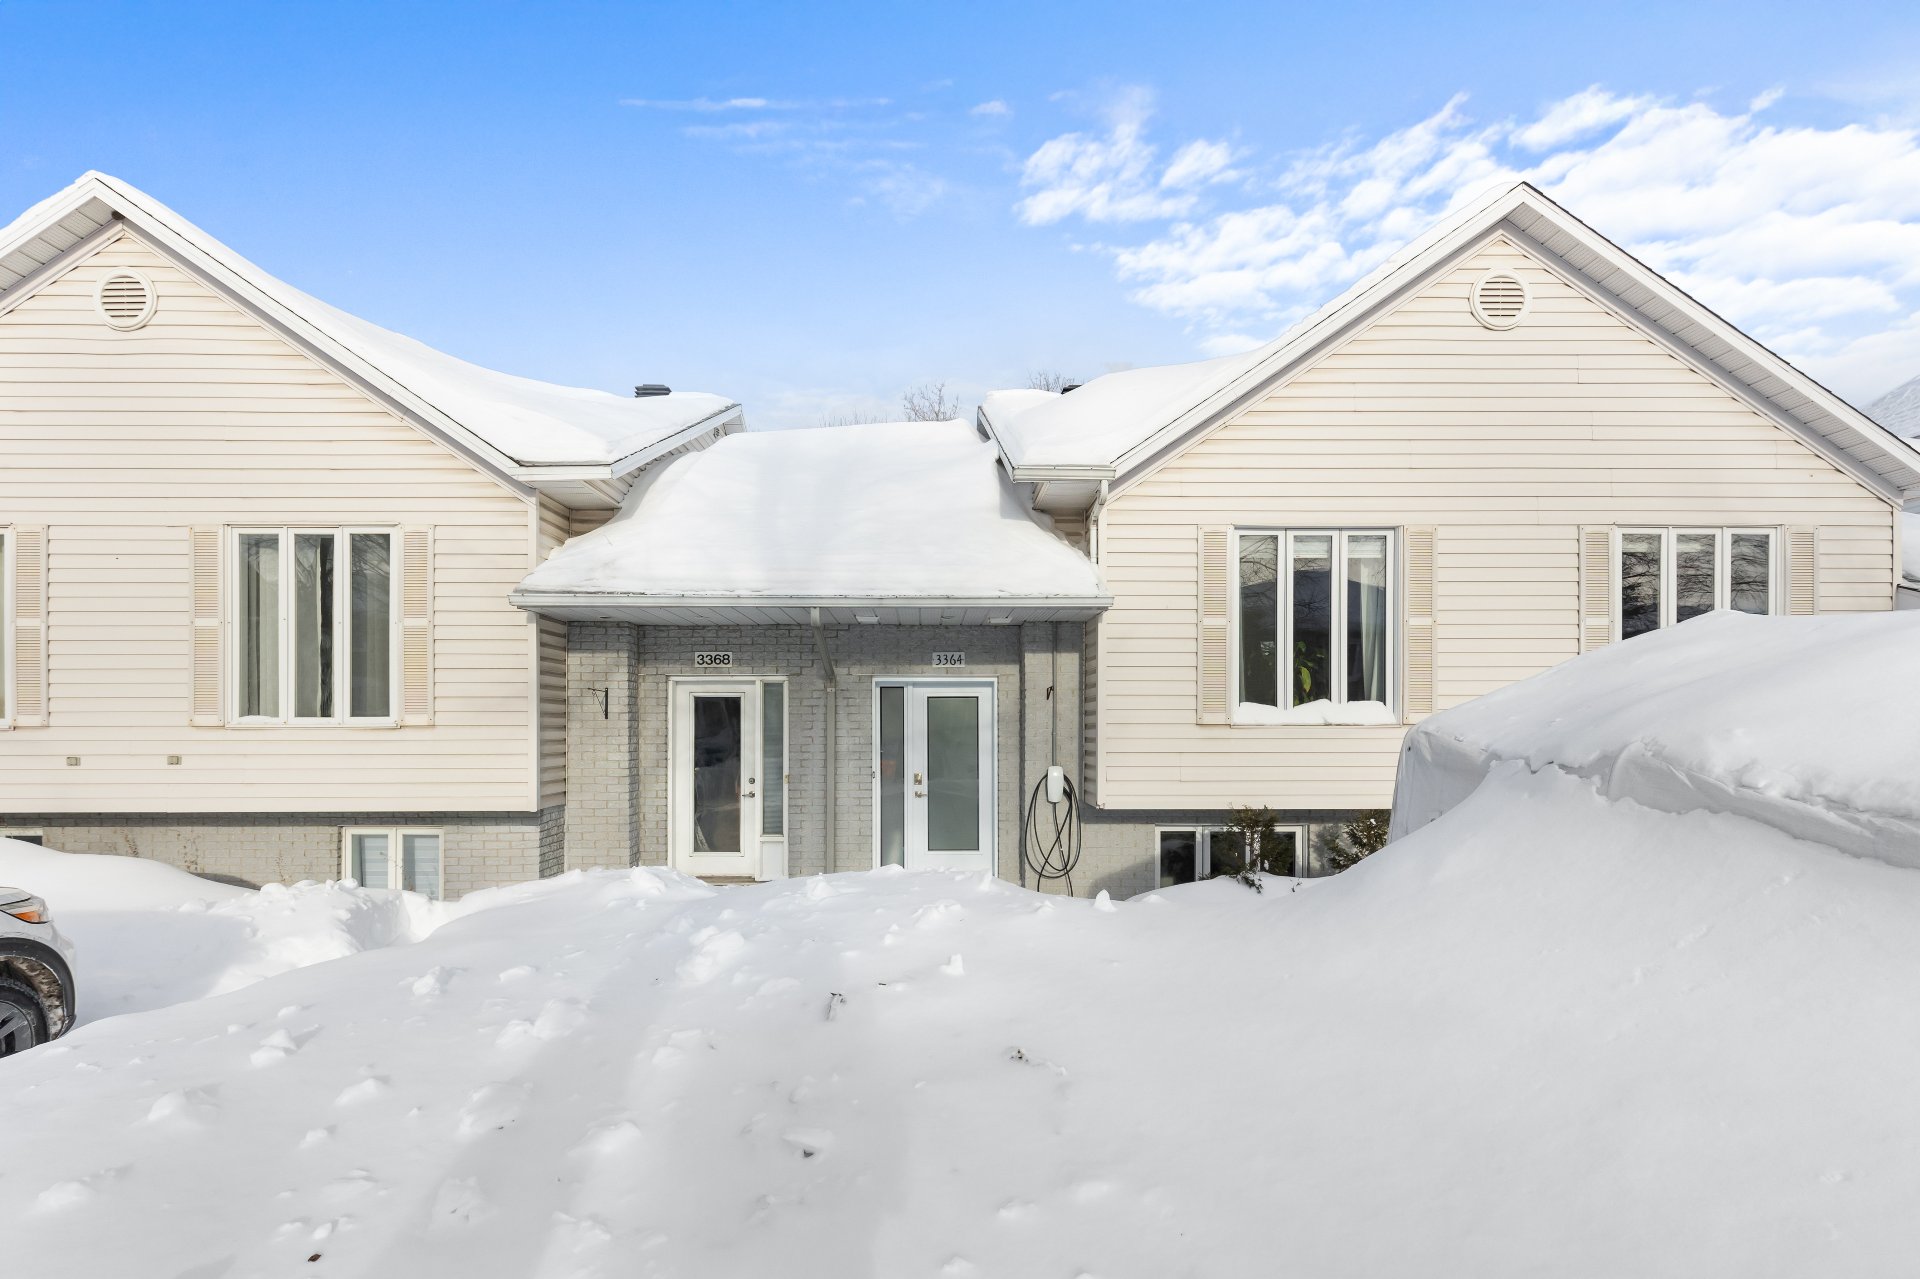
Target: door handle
748,795
919,794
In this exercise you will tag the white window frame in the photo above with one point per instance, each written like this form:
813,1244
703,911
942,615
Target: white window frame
1203,848
396,858
786,753
1283,603
989,688
343,622
7,690
1669,535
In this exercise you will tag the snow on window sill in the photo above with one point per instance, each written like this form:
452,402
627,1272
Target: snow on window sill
1320,712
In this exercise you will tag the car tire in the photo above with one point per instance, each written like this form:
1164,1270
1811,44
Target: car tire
23,1022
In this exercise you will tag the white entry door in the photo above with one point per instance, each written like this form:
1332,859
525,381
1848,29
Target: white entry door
715,775
933,774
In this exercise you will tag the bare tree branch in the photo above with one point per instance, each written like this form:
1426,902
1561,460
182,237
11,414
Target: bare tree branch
929,402
1050,380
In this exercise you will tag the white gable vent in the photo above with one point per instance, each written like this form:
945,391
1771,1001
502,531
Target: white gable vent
126,299
1499,300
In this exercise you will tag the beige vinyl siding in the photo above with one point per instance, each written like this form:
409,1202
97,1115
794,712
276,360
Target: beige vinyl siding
554,527
1504,443
120,443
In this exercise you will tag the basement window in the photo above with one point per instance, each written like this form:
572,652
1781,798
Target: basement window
1186,854
403,858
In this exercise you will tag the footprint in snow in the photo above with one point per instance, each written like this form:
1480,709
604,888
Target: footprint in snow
519,972
808,1141
492,1108
954,967
433,982
274,1049
609,1141
316,1137
62,1195
367,1089
714,949
458,1204
186,1107
959,1268
560,1018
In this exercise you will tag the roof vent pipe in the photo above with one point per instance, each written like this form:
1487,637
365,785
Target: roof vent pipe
1071,386
647,390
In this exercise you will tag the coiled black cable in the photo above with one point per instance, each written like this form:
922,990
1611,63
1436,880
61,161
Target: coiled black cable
1062,851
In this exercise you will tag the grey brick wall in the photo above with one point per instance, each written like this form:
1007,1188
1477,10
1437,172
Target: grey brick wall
602,812
480,850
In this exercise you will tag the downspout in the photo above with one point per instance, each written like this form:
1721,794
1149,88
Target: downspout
828,861
1080,738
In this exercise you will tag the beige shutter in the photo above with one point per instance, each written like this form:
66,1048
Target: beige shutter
29,627
416,626
1418,698
205,551
1216,603
1596,586
1803,571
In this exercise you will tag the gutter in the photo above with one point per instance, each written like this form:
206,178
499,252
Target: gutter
586,472
536,600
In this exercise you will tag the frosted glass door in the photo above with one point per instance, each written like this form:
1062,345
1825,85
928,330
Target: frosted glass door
948,788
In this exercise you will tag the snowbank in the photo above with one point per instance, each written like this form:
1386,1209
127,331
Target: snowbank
149,935
1804,724
894,511
1468,1056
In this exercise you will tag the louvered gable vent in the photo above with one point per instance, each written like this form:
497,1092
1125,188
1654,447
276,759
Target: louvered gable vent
1499,300
126,299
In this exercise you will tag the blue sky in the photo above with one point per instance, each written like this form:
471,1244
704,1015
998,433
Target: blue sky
812,207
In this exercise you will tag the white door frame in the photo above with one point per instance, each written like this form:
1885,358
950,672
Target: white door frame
747,862
989,690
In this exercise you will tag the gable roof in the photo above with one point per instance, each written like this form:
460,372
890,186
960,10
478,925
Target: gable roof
916,520
513,424
1115,426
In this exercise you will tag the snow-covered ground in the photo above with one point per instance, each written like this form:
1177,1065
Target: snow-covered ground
1554,1030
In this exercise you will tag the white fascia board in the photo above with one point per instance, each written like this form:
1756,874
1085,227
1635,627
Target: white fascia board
723,422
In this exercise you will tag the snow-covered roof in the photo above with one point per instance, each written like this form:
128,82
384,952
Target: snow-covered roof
1899,409
510,421
1123,422
900,515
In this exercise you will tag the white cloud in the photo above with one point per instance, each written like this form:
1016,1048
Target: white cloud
1115,176
709,105
996,107
1807,235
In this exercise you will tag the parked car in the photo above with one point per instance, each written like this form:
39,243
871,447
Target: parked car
36,974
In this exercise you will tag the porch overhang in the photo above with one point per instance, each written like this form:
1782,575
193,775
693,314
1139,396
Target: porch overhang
710,610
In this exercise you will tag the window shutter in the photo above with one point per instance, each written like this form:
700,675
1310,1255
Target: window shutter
1596,586
1803,571
1216,596
205,551
29,627
416,626
1418,698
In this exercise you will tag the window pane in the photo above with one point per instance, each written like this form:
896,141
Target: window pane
1312,662
1179,857
370,861
1366,617
1751,568
953,774
370,595
1695,567
716,773
1226,853
773,759
1639,583
1284,857
312,625
1259,620
893,775
420,864
258,683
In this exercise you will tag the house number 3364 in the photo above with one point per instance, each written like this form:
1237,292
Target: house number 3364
949,659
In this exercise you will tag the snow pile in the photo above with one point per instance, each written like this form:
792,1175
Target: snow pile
1806,724
894,511
149,935
1096,423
